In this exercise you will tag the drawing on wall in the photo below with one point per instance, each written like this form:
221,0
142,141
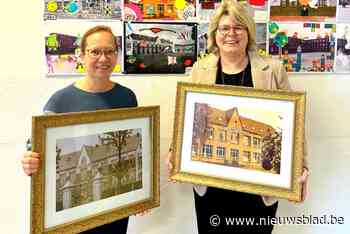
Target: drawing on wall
160,10
303,10
82,9
62,51
343,14
343,48
261,38
303,47
229,137
257,8
202,39
159,47
94,167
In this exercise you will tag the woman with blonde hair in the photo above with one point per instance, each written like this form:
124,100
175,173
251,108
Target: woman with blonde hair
233,60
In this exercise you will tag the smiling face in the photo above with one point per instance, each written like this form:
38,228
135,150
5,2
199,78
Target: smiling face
100,55
231,37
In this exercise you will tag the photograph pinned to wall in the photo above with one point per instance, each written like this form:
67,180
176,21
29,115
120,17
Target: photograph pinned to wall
343,48
202,39
243,139
343,14
257,8
303,10
261,38
138,10
82,9
160,47
62,40
98,167
303,47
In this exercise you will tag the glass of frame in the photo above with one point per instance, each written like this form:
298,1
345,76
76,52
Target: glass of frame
97,167
243,139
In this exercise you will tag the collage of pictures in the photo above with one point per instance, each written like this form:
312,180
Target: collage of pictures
167,36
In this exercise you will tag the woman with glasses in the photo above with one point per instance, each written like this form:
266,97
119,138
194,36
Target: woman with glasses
233,60
94,92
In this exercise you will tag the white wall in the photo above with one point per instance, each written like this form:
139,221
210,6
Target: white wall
24,90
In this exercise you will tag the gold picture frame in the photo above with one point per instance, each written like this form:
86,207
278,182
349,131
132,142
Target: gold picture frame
239,138
96,167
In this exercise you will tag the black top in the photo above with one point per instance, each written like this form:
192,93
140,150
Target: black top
244,78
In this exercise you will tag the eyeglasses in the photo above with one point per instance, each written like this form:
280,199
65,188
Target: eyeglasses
97,53
224,30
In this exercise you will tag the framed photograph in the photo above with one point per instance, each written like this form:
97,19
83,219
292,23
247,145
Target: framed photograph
159,47
96,167
236,138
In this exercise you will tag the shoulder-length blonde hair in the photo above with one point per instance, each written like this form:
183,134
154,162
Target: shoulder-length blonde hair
240,14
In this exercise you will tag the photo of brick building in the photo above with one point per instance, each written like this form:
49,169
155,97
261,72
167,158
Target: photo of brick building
225,137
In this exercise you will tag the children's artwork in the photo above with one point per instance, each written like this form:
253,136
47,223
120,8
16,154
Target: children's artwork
257,8
303,10
202,39
82,9
138,10
261,38
159,47
62,51
343,48
303,47
343,14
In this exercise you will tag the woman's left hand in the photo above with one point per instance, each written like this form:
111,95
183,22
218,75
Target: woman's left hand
303,182
143,213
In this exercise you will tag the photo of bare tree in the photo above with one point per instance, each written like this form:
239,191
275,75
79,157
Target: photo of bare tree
94,167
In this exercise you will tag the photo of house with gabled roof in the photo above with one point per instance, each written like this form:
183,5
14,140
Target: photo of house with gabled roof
228,138
110,167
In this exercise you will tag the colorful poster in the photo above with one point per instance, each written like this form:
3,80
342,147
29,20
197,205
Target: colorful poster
343,48
138,10
303,47
261,37
303,10
82,9
257,8
202,39
343,14
159,47
62,51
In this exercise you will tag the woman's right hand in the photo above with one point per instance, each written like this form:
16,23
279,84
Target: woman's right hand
30,162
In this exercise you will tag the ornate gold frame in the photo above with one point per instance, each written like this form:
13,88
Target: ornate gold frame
298,98
40,124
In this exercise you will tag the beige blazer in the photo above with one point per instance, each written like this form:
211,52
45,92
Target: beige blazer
267,73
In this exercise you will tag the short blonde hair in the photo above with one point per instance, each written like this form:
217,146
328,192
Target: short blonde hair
239,13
